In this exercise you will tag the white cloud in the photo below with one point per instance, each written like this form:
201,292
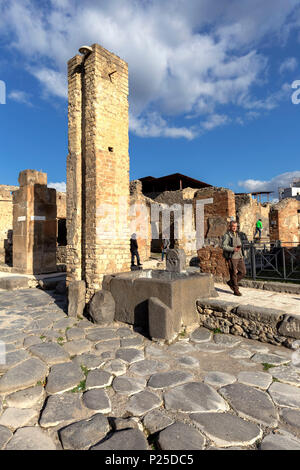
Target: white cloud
280,181
153,125
288,65
55,83
20,97
61,187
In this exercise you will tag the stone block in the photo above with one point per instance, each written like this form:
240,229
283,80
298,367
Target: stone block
163,322
102,307
13,282
176,260
290,327
76,298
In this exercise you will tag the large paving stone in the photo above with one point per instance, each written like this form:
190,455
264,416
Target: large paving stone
75,334
63,377
97,400
128,439
23,375
194,397
39,324
272,359
133,341
5,436
181,347
180,436
240,353
286,374
90,361
79,346
124,332
210,347
148,367
142,403
278,442
169,379
27,398
51,353
64,323
291,417
156,420
14,338
219,379
130,355
128,385
256,379
13,358
30,438
227,340
84,434
251,403
31,340
188,361
201,335
99,334
156,352
115,367
226,430
98,379
285,395
14,418
62,409
109,345
102,307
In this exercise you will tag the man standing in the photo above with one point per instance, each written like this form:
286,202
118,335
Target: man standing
258,228
234,254
134,250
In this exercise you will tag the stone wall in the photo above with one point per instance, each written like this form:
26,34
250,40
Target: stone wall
284,222
6,222
139,219
211,260
248,211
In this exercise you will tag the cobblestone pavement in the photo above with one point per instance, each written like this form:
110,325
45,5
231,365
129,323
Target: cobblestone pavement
69,384
289,303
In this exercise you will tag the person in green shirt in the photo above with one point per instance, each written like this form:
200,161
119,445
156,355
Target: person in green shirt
258,228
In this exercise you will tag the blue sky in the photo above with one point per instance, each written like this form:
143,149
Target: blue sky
210,86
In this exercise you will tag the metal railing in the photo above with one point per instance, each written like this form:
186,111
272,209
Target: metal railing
273,260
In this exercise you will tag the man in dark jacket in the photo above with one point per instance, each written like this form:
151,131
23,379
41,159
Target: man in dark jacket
134,250
234,254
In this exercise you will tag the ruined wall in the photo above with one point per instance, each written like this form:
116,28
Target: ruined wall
248,211
61,205
284,222
139,219
6,222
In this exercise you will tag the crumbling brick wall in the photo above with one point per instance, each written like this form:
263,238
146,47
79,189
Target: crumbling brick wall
284,222
212,261
6,223
139,219
248,211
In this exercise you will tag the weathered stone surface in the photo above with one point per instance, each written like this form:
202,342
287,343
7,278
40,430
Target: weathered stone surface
66,322
142,403
226,340
225,429
286,374
156,420
164,323
128,385
260,314
130,355
169,379
277,442
84,434
188,361
115,367
63,408
273,359
75,333
98,379
124,440
148,367
23,375
97,400
134,341
194,397
110,345
30,438
256,379
79,346
285,395
201,335
155,351
39,324
50,353
240,353
13,358
90,361
181,347
251,403
102,307
14,418
291,417
175,260
13,282
27,398
76,298
5,436
210,348
103,334
124,332
180,436
219,379
63,377
119,424
290,327
31,340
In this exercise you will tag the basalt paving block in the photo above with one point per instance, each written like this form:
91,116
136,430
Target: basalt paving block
156,420
39,324
148,367
285,395
84,434
63,377
180,436
98,379
156,352
219,379
79,346
272,359
226,430
31,341
13,338
119,424
128,439
240,353
291,417
201,335
64,323
115,367
13,358
23,375
226,340
75,334
251,403
109,345
169,379
255,379
51,353
28,398
124,332
63,409
188,362
181,347
210,347
14,418
142,403
286,374
278,442
90,361
97,400
5,436
31,438
128,385
103,334
134,341
130,355
194,397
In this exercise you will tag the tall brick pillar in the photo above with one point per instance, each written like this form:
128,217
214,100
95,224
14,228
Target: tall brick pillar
98,168
34,224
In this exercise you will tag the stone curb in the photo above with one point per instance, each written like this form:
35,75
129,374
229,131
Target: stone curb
272,286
